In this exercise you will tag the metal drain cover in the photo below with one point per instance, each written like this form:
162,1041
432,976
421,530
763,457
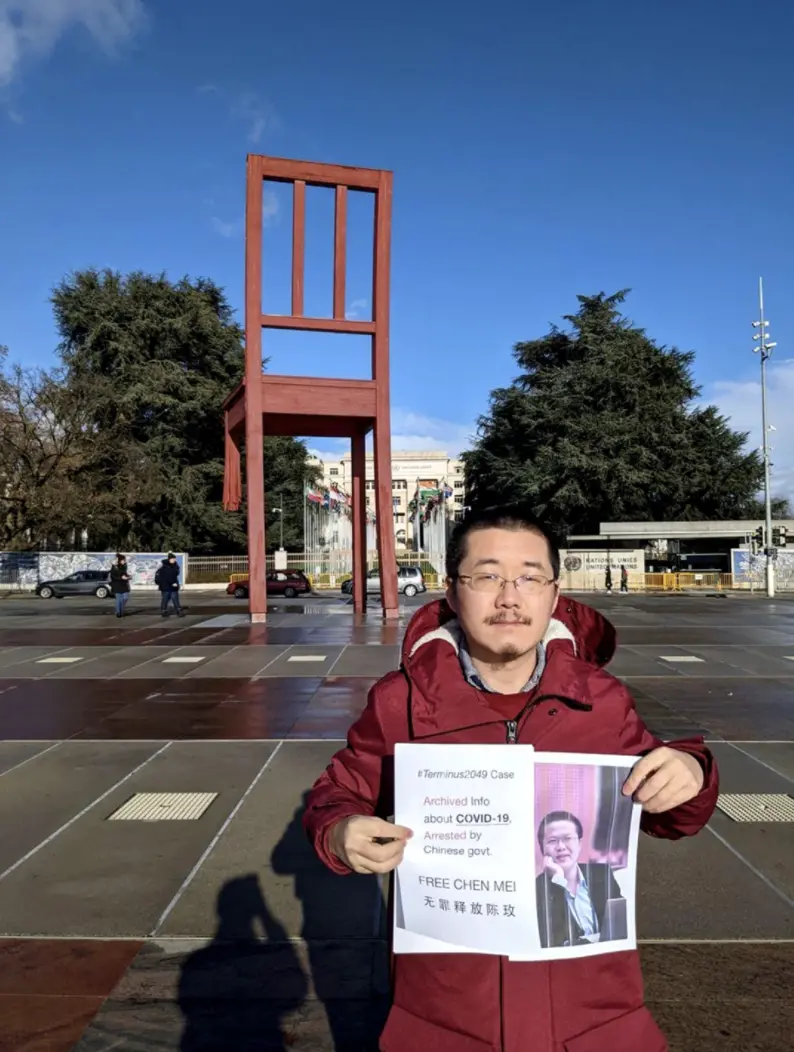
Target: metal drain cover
163,807
757,807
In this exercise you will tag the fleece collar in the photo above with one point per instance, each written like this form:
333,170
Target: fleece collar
451,633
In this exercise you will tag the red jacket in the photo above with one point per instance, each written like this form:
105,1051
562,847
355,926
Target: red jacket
476,1003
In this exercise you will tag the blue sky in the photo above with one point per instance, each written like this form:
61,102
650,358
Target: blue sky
539,151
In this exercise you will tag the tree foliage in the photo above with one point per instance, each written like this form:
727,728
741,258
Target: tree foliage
126,438
602,425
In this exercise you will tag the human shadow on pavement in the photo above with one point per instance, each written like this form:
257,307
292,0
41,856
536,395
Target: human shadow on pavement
240,992
342,927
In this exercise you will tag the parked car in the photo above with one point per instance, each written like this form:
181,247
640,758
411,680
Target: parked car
82,582
410,581
289,583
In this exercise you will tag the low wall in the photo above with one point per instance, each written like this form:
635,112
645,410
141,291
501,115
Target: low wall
25,570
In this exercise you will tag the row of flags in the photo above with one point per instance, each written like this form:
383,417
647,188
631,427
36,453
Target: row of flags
427,497
333,499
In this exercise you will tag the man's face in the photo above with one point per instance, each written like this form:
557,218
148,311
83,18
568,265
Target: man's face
562,844
504,624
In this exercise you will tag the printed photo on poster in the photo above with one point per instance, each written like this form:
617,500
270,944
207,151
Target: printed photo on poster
586,836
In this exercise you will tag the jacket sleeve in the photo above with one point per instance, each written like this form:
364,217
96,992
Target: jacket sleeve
358,781
686,819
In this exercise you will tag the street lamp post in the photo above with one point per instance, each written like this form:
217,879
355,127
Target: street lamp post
764,347
281,526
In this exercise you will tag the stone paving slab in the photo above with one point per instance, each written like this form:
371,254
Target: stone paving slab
741,772
372,661
37,799
265,857
13,754
696,888
778,756
113,879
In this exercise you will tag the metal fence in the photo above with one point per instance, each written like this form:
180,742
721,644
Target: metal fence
328,569
330,566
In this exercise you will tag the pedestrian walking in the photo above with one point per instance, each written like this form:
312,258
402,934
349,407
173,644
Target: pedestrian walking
608,580
505,658
624,580
167,580
120,583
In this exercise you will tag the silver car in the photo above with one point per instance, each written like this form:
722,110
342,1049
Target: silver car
410,581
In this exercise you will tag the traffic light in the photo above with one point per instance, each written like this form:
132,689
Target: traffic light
779,536
758,539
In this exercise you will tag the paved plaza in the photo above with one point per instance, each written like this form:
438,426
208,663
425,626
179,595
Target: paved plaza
223,932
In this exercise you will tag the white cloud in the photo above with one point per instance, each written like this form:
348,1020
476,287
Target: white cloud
357,308
226,229
31,29
258,115
741,401
412,432
235,227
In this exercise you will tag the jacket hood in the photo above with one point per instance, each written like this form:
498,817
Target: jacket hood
590,636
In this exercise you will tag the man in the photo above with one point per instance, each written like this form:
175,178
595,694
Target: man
504,659
572,898
167,580
624,580
120,583
608,580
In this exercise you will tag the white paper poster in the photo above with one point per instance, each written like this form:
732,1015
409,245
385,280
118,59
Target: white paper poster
521,854
467,876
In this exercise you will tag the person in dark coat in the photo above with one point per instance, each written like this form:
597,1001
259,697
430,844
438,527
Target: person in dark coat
608,580
167,580
624,580
504,659
120,583
571,896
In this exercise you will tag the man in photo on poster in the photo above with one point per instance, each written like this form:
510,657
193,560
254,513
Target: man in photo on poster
573,895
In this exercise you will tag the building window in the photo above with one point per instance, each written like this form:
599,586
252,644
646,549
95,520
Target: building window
370,484
458,485
399,484
333,471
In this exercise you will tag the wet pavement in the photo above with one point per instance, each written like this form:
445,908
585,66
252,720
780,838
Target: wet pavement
225,932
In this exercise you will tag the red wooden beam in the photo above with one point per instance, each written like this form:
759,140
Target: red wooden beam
359,509
387,559
298,245
254,449
340,251
286,321
284,170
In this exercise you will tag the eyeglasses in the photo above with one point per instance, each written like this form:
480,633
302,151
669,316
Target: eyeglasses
529,584
560,841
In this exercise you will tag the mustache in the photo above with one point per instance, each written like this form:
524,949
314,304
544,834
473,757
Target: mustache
499,619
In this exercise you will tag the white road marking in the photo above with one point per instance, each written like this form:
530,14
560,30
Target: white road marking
211,846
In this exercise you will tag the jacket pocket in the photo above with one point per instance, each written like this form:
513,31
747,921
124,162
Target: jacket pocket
627,1033
404,1031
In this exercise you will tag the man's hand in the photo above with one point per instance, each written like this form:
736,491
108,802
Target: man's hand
664,779
353,841
553,870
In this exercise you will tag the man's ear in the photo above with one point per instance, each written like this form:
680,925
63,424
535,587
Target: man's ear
556,596
452,599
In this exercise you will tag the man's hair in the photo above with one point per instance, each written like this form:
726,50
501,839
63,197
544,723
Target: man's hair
513,517
559,816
